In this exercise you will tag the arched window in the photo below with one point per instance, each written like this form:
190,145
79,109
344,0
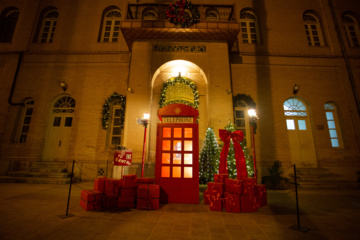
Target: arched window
351,30
25,121
48,26
64,104
333,125
212,14
111,25
149,14
8,20
313,29
249,26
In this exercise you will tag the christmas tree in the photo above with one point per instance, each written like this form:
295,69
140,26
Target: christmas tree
209,157
231,155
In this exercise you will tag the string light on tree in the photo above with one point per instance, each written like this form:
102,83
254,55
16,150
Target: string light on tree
209,158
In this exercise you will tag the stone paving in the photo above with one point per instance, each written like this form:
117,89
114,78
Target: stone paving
30,211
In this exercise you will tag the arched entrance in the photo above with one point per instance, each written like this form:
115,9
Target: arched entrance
299,133
59,130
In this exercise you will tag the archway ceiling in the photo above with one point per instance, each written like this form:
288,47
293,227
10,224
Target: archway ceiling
161,30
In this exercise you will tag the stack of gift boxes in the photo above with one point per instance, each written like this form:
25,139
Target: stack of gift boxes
129,192
234,195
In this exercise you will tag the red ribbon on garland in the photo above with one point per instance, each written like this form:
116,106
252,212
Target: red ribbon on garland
237,137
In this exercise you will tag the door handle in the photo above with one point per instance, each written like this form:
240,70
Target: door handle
59,143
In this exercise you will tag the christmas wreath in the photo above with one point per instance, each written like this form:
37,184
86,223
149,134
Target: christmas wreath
106,109
183,13
171,82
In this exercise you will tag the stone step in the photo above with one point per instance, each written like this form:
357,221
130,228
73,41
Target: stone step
35,180
52,169
42,164
40,174
328,185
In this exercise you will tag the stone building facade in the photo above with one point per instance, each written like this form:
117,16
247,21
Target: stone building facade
61,60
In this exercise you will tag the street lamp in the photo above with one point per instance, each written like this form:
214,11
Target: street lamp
253,121
144,121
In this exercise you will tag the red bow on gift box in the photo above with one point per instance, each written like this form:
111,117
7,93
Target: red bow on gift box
237,137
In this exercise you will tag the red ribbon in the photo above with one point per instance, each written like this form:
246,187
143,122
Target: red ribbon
237,137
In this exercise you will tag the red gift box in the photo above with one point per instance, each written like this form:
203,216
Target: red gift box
216,186
128,192
148,196
220,177
110,186
261,195
233,203
145,181
93,205
215,201
99,184
248,187
110,201
248,203
91,195
129,181
126,199
118,188
233,186
206,197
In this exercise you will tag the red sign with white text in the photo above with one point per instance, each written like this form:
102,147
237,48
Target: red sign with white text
123,157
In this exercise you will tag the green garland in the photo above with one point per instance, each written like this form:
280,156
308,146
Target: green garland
183,80
106,109
183,13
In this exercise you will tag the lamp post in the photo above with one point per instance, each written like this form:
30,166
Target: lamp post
253,121
144,121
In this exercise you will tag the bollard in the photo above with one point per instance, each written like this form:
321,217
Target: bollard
67,208
298,227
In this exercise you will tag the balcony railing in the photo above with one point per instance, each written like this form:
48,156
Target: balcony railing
148,21
225,13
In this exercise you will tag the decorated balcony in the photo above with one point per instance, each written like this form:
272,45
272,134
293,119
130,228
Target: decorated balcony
180,21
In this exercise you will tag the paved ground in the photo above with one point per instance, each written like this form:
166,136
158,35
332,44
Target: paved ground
29,211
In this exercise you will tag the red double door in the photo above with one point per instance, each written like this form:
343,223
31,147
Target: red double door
177,162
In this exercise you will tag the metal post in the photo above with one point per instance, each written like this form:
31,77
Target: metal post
254,156
143,157
72,173
298,227
297,201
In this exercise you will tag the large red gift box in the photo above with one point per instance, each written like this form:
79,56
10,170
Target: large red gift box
110,201
118,188
248,187
91,195
233,186
145,181
220,177
99,184
88,206
215,201
148,196
206,197
91,199
217,186
261,195
232,203
128,192
110,186
129,181
248,203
